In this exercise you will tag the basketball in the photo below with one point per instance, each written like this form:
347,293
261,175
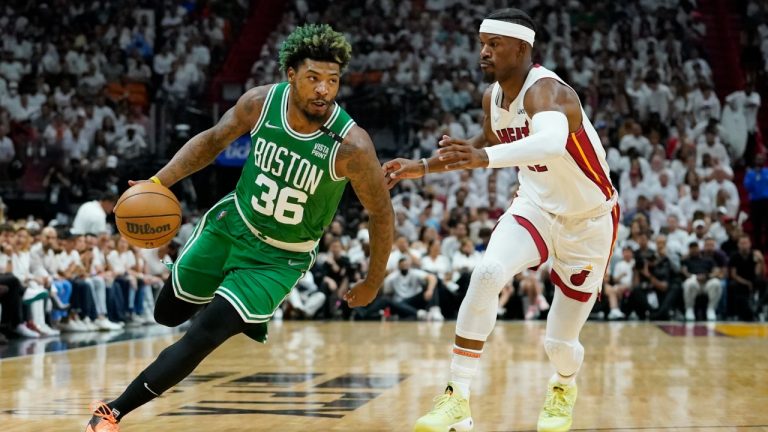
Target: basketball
148,215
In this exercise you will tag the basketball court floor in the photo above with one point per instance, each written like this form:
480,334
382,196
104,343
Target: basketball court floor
381,376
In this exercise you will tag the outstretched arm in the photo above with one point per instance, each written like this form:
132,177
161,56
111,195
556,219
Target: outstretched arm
203,148
400,168
555,111
357,161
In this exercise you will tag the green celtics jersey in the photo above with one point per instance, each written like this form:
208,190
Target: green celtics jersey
288,191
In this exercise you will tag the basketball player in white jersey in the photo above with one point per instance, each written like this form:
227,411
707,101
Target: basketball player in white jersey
565,209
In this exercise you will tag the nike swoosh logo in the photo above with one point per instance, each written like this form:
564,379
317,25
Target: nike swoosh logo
293,263
271,126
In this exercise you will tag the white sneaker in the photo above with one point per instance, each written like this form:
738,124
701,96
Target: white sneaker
711,315
47,331
90,325
148,319
24,331
616,314
78,325
434,314
689,315
421,315
105,324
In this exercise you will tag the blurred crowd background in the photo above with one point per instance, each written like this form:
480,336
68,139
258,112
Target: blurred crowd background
95,93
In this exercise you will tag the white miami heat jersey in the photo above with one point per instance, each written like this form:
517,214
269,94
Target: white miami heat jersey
569,185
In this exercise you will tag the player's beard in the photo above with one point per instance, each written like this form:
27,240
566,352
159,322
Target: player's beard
313,116
489,76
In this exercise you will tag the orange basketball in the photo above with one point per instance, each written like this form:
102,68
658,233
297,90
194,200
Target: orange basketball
148,215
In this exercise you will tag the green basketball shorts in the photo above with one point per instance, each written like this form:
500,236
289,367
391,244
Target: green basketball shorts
223,257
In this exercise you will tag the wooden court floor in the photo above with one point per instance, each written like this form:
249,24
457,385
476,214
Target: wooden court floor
351,376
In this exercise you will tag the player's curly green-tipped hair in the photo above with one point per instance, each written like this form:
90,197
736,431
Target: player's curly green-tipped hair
317,42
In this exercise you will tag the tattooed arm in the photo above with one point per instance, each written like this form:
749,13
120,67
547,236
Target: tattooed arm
357,161
203,148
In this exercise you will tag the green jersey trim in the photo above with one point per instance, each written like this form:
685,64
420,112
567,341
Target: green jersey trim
344,132
264,109
300,136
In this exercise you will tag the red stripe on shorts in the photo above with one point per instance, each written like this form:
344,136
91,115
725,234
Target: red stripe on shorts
541,245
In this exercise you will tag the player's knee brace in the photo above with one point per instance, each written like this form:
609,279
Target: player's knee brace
485,285
477,314
566,356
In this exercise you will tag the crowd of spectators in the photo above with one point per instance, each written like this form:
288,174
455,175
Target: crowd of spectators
77,79
639,67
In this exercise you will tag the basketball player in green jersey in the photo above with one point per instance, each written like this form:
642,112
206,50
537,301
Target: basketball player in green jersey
249,250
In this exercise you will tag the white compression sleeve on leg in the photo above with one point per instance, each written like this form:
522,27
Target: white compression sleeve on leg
549,133
564,322
510,251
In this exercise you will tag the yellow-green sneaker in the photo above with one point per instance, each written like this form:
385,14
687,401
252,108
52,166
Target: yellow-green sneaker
557,413
450,413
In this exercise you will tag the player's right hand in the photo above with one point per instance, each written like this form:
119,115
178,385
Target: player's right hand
398,169
362,294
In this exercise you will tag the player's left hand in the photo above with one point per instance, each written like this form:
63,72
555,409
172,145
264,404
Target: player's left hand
398,169
362,294
458,154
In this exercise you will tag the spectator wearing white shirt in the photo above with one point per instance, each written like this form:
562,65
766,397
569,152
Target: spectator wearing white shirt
91,217
621,282
677,239
636,140
10,68
413,292
714,191
749,101
402,250
438,264
7,149
657,97
131,146
704,104
466,258
404,226
712,146
698,233
162,62
695,201
63,94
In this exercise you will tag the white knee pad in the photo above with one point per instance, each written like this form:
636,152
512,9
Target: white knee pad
477,314
566,356
484,287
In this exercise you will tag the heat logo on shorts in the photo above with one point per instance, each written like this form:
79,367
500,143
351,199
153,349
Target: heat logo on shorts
578,279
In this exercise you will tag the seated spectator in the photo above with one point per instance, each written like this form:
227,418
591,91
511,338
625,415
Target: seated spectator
619,283
747,280
702,276
402,250
412,292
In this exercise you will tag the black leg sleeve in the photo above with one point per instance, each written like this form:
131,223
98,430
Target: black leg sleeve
217,323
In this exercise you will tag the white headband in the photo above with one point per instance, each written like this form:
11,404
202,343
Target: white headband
504,28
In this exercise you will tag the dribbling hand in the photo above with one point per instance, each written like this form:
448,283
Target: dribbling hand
362,294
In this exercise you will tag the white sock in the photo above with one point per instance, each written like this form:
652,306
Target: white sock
464,364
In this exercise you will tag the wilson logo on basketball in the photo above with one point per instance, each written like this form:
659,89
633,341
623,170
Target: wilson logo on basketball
135,228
